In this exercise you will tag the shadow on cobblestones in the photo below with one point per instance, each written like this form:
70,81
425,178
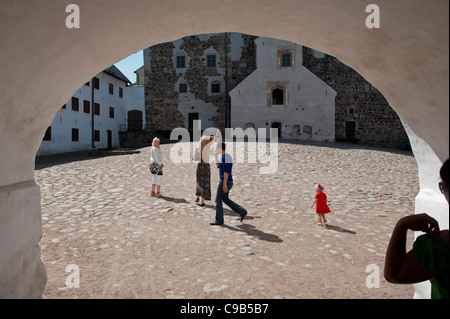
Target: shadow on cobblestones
174,200
340,229
252,231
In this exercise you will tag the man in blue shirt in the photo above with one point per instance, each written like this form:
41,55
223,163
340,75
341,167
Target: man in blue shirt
225,166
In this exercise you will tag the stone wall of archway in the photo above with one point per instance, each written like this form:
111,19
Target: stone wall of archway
43,62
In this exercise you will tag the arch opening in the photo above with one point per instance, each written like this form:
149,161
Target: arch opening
420,111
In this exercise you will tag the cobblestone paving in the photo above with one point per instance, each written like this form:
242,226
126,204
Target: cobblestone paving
97,214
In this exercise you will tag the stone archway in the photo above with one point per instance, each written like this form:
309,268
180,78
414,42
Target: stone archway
44,62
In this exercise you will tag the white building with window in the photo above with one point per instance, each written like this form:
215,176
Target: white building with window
92,118
281,93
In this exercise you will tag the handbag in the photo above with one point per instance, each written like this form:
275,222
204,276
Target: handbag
155,168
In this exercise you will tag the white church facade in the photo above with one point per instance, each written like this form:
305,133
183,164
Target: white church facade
281,93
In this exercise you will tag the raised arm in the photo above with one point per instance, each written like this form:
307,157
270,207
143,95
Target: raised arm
400,266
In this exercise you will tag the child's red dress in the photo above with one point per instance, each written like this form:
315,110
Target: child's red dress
321,204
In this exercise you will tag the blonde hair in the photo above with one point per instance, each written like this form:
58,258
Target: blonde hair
154,140
204,141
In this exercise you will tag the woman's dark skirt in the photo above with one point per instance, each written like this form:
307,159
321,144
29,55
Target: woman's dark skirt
203,188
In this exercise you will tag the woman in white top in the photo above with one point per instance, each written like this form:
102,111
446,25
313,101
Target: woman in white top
156,166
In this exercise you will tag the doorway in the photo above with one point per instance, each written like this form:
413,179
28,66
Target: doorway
192,118
350,129
276,125
135,120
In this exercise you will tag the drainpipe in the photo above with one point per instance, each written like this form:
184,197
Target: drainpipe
227,119
92,113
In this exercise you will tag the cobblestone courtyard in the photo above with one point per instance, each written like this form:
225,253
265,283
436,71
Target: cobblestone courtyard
97,214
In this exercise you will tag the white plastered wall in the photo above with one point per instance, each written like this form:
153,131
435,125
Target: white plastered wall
406,59
308,100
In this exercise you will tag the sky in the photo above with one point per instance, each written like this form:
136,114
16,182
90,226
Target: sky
130,64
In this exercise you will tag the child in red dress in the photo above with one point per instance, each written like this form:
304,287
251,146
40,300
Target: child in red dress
321,205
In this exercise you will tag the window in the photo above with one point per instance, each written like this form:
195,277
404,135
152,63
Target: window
87,107
121,92
96,83
111,112
96,109
111,88
96,136
48,134
63,107
296,130
215,87
351,111
211,60
87,83
181,61
75,105
307,130
74,135
278,97
183,88
286,60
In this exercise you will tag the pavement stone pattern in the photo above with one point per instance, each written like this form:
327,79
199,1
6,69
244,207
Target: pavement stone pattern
97,214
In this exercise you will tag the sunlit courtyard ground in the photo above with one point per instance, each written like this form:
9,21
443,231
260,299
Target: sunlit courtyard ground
97,214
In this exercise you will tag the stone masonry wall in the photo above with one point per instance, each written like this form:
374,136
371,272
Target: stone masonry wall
377,123
161,98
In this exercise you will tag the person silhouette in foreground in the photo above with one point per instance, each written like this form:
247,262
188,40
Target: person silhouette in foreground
225,166
429,258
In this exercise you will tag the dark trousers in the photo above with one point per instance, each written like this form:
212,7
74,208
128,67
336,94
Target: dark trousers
224,197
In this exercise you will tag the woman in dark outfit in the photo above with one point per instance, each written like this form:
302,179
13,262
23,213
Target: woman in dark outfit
203,174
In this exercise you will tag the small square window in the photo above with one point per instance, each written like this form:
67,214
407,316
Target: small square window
286,60
96,83
181,61
215,87
96,109
96,136
183,88
87,107
48,134
75,105
211,61
351,111
74,135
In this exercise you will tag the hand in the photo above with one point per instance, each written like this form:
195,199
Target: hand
225,188
421,222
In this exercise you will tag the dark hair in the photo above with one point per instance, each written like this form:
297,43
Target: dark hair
445,174
224,146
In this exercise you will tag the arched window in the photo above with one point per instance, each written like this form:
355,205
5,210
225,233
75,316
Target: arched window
286,59
249,125
278,96
296,130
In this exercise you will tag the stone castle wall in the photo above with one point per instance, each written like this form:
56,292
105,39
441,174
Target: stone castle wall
162,98
376,122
